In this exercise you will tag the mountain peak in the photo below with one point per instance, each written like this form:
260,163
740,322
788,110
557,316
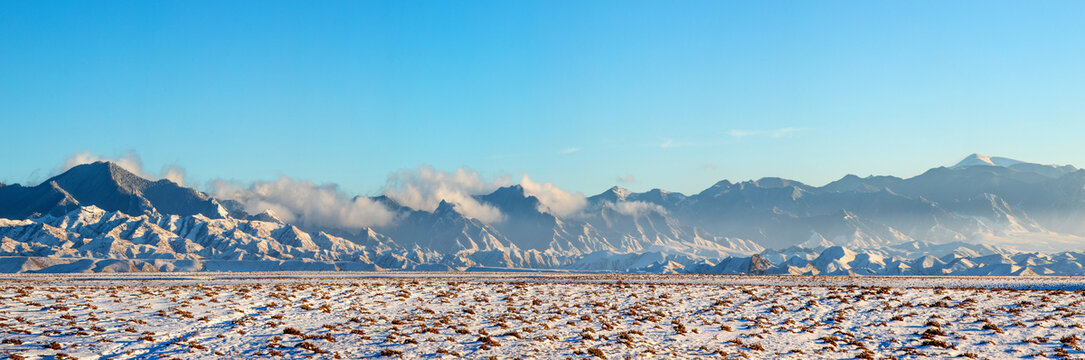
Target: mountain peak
110,186
99,174
776,182
1048,170
984,160
511,190
614,194
619,192
101,165
724,183
268,216
445,207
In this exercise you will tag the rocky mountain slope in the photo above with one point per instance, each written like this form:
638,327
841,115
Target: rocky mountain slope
985,215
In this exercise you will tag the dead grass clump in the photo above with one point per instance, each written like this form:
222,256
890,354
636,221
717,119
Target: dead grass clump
937,343
309,346
992,327
932,332
1037,340
196,345
679,328
489,341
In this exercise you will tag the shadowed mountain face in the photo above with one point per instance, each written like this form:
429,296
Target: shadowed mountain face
107,186
990,202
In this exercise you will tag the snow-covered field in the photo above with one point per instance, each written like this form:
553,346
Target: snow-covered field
479,315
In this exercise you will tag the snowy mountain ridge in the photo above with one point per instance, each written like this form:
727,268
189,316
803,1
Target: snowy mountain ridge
101,217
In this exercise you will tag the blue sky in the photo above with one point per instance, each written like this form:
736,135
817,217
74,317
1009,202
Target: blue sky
669,94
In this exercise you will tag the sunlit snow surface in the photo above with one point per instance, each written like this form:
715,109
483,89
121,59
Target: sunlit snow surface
478,315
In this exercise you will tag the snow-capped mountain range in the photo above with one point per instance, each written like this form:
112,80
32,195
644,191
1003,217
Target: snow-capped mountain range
982,216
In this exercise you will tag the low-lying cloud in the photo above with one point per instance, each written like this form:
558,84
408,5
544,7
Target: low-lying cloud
305,203
635,208
553,199
423,188
308,204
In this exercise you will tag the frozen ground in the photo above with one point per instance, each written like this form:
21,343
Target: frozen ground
479,315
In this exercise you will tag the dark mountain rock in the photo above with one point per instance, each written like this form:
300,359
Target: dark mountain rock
107,186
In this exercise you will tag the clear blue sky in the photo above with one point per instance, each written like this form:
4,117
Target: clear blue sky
676,94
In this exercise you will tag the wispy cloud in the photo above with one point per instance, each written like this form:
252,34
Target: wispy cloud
710,166
306,203
570,150
627,179
552,199
424,187
775,133
635,208
129,161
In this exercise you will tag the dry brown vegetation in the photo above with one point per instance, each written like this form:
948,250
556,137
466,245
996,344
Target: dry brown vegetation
479,319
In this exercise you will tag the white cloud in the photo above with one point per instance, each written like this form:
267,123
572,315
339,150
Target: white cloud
424,187
776,133
571,150
669,143
552,199
305,203
129,161
174,173
635,208
627,179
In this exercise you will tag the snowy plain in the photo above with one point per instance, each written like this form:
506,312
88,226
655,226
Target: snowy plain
536,315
